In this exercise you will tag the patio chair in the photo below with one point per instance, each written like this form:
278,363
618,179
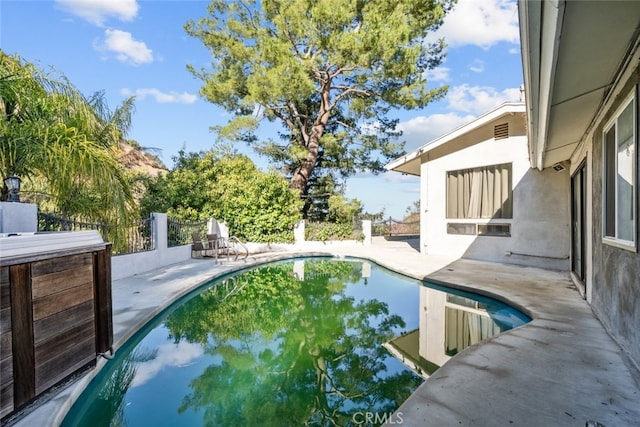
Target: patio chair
213,244
228,245
200,246
223,244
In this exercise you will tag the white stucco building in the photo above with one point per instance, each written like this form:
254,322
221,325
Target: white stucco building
480,198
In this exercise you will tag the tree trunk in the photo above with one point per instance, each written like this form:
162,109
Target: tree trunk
300,178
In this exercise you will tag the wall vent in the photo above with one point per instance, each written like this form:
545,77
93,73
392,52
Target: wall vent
559,167
501,131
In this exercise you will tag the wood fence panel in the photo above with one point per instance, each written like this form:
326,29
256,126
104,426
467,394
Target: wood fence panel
22,329
55,318
103,306
60,285
6,350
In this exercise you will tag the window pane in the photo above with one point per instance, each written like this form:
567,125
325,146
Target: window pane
506,185
503,230
457,228
610,187
625,174
452,195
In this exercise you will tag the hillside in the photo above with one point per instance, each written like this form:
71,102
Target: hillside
136,159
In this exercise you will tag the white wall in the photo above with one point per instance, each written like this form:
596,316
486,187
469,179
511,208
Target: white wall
432,344
18,217
142,262
540,233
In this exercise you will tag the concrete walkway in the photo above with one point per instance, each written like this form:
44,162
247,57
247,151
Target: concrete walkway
561,369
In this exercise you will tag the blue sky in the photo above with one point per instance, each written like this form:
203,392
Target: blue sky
137,47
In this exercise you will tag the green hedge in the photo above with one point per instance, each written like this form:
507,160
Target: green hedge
326,231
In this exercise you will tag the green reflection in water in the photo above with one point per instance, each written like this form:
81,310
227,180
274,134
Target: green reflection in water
318,357
306,342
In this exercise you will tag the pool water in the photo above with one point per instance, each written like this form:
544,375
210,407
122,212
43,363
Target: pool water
314,341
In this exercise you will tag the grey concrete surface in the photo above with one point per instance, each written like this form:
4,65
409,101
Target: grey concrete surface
561,369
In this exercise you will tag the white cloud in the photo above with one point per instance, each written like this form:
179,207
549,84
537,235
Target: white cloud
438,74
477,66
480,22
162,97
168,355
420,130
98,11
479,99
125,47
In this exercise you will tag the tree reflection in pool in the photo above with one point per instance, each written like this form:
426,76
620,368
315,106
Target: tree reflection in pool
305,342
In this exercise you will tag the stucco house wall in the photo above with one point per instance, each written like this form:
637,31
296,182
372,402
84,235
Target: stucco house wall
613,277
540,233
580,63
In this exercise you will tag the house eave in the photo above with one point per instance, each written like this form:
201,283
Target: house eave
410,163
540,44
573,52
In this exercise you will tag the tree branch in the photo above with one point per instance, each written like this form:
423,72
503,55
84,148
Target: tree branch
341,70
347,90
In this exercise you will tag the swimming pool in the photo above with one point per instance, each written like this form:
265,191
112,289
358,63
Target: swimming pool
314,341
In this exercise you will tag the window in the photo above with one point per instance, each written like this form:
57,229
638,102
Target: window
483,192
620,176
503,230
461,228
473,229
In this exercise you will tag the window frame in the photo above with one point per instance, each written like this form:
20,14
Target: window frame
607,186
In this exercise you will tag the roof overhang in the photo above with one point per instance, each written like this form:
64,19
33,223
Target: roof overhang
410,163
572,53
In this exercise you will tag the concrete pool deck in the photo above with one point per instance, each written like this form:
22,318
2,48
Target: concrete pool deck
561,369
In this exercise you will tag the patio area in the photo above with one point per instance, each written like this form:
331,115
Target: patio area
561,369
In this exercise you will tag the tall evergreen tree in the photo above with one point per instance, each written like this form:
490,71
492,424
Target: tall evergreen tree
329,71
